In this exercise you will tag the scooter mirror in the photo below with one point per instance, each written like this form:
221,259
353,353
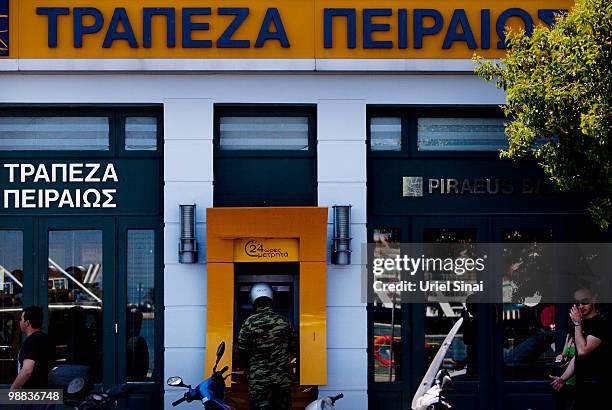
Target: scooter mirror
220,350
175,381
75,386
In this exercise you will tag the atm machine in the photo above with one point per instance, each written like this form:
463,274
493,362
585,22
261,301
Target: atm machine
281,276
286,248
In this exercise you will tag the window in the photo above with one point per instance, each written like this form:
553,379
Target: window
54,133
387,346
140,305
461,134
427,132
140,134
11,302
529,328
387,315
386,134
265,156
264,133
75,290
440,315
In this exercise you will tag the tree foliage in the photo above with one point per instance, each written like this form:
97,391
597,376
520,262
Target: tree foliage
559,85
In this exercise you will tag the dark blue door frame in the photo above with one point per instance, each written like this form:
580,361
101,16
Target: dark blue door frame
145,394
519,205
506,391
491,391
139,205
106,225
472,391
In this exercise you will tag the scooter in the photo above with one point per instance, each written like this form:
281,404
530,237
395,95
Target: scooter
429,394
328,403
211,391
76,382
94,401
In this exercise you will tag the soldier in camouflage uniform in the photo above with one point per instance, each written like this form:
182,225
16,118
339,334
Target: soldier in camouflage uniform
266,345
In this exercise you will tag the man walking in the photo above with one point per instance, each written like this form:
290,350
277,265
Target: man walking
266,345
35,354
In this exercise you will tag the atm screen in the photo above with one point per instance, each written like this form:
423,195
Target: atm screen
282,304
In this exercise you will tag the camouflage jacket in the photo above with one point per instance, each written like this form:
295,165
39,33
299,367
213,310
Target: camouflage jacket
266,345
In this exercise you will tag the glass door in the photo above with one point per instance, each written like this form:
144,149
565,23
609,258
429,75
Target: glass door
389,331
433,319
528,335
76,260
99,281
139,304
16,277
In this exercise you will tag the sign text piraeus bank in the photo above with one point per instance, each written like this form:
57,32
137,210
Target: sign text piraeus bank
272,29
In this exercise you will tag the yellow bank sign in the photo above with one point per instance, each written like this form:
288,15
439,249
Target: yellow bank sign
266,250
307,29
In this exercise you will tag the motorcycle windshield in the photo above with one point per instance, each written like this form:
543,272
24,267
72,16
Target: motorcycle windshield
436,363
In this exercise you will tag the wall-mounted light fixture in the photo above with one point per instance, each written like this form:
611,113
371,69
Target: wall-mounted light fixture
341,251
188,246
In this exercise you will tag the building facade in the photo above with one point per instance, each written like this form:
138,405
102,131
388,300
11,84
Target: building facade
265,116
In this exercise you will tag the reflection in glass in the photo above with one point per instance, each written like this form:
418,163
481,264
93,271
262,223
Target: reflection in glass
54,133
11,302
386,134
387,314
461,134
440,315
264,133
141,305
140,134
387,344
75,291
529,327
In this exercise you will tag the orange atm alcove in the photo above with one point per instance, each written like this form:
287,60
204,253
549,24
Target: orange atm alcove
274,234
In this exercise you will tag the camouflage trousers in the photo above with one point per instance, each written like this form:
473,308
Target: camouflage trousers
272,397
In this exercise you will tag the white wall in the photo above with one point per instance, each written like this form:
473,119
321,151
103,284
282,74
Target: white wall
341,175
188,101
247,88
188,179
